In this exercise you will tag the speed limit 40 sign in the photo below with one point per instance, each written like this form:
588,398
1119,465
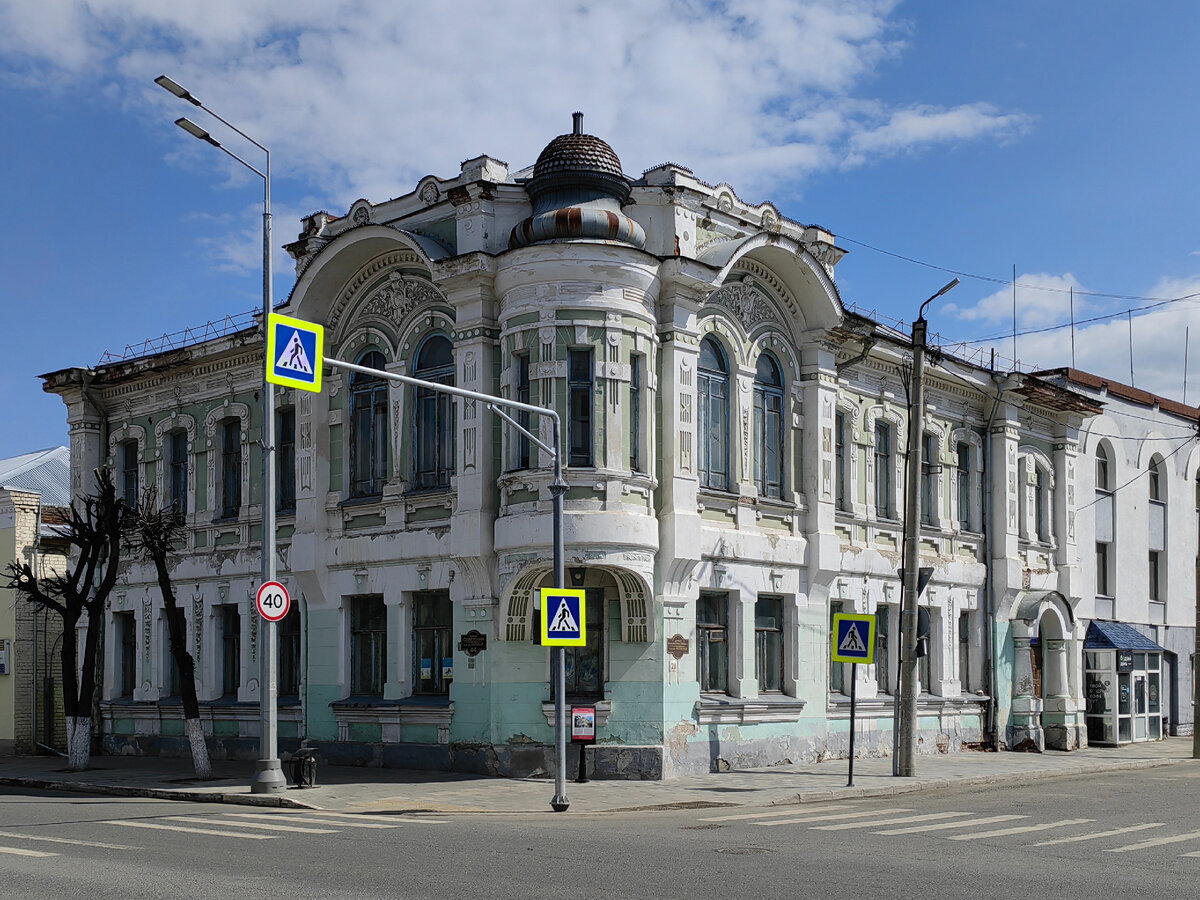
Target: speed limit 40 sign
273,601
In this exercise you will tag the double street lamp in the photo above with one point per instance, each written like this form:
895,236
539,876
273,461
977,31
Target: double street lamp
268,776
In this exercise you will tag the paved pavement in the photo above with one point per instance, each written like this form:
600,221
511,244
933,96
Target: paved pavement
372,790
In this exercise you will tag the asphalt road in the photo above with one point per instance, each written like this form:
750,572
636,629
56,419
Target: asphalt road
1123,835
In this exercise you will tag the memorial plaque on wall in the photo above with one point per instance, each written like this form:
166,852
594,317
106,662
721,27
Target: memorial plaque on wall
472,643
678,646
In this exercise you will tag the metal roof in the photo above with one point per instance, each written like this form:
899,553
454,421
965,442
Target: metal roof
46,472
1118,636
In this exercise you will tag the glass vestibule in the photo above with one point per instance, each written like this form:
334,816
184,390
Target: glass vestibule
1124,696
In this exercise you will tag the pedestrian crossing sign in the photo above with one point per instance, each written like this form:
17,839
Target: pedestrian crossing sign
853,638
294,352
564,623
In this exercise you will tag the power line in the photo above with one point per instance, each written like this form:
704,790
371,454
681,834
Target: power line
1145,471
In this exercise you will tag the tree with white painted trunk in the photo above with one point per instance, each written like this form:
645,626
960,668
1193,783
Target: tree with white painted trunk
94,530
155,533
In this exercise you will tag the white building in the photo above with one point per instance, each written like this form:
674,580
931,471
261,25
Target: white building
735,459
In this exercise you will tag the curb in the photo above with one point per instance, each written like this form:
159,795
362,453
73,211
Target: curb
121,790
795,799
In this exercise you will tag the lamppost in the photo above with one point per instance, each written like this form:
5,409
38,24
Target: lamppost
907,749
268,777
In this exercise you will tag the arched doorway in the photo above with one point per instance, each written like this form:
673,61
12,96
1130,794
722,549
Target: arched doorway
1045,708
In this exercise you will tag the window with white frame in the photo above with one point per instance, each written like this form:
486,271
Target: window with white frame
963,479
1105,525
231,468
523,394
712,416
368,645
231,650
129,473
964,652
712,641
433,416
177,465
1157,536
289,653
368,428
883,469
768,428
637,366
768,643
580,401
125,626
883,674
285,460
841,461
929,468
837,675
433,652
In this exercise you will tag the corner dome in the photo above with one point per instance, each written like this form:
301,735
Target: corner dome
577,190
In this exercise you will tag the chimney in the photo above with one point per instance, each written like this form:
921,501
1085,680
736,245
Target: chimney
578,119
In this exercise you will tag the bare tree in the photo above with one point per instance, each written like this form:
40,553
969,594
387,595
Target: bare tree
94,529
154,534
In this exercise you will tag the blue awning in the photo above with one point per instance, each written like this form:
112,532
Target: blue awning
1118,636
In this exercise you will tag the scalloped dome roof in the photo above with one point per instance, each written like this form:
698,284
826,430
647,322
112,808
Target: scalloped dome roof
577,153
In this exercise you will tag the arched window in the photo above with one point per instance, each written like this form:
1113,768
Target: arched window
433,416
368,428
768,428
712,416
1102,472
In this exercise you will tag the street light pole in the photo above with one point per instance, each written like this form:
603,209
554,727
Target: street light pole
268,776
907,749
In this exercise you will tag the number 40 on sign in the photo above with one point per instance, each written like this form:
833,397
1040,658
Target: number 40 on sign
273,601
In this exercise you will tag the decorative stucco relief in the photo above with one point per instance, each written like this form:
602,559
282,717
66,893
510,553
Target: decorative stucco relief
748,305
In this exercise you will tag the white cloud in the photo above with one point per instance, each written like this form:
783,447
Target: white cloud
1159,336
1042,299
363,98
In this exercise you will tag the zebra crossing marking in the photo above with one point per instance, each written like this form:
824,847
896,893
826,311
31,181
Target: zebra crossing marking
926,817
262,826
1091,836
19,851
1018,829
55,840
767,815
159,827
824,818
311,820
1155,842
942,826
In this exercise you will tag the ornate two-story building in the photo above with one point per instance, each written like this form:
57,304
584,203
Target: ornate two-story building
734,448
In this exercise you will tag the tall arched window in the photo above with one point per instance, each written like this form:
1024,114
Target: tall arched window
768,428
1156,588
433,416
712,416
368,428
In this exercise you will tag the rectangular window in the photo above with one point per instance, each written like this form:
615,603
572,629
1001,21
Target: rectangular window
927,473
712,632
924,667
837,675
231,468
433,654
579,404
1041,506
231,650
285,461
964,651
129,469
636,361
964,486
368,645
177,472
1155,585
1102,571
883,470
126,628
289,653
839,450
768,643
523,417
882,663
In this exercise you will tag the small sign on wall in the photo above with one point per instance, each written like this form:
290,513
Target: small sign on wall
5,650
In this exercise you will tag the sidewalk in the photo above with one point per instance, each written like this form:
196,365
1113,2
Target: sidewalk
373,790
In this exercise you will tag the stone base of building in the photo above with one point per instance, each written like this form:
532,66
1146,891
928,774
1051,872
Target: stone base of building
1064,737
1025,739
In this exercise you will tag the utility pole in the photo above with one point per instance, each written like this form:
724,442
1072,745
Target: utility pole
907,748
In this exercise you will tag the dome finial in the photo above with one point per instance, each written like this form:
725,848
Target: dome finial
577,118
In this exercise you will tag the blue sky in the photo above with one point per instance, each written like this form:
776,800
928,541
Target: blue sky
1059,138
